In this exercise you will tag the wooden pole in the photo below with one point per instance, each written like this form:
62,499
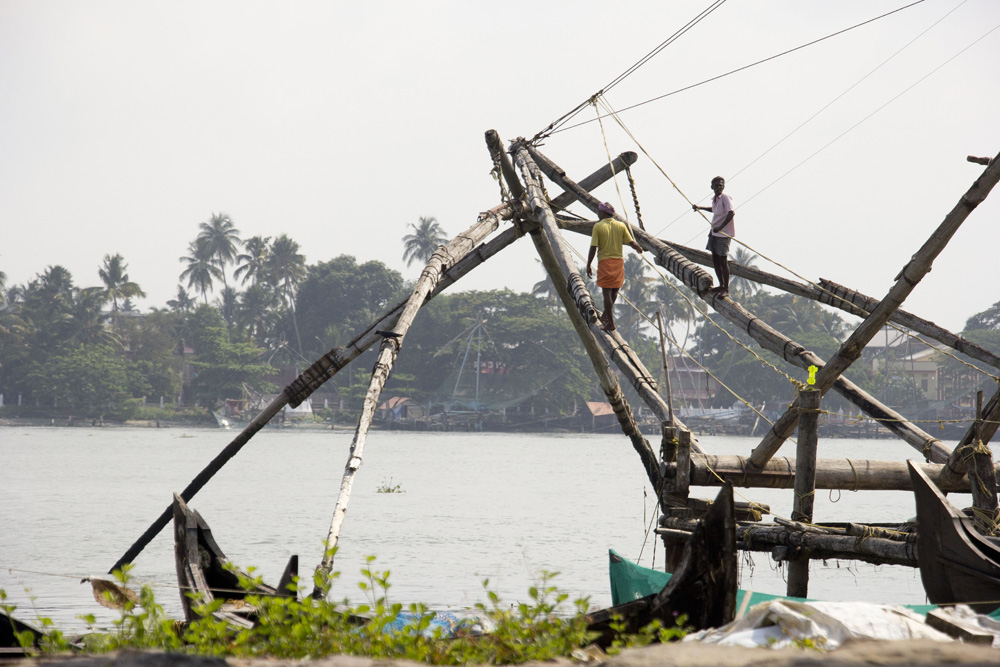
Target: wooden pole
805,484
845,299
666,370
981,431
796,354
580,307
322,370
908,278
847,474
979,465
678,489
444,256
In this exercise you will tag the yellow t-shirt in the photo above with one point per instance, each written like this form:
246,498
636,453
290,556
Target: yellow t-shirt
609,236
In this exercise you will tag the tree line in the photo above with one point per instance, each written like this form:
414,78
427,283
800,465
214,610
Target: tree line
246,307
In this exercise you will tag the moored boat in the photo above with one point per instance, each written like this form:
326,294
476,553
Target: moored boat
205,574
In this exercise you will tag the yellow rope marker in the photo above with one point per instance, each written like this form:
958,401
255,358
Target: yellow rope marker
812,374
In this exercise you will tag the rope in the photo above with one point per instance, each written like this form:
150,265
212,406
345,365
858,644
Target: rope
551,129
775,262
635,197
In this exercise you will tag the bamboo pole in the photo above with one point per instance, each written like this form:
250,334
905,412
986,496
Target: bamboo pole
982,432
444,256
330,363
818,546
313,377
845,299
804,485
579,305
979,465
907,279
846,474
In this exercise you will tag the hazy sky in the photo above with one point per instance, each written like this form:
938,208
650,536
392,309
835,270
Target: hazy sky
123,125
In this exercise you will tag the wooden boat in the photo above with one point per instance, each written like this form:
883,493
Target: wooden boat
10,628
703,589
957,564
205,574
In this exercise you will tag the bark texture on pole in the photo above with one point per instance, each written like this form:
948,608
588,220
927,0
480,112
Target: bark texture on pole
979,465
805,485
580,306
907,279
796,354
847,474
982,431
845,299
322,370
443,257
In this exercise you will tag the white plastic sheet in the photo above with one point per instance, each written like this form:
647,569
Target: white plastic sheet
780,623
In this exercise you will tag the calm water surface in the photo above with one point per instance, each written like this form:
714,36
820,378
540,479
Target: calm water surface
502,507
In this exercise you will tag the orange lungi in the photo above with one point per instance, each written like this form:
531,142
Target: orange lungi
611,272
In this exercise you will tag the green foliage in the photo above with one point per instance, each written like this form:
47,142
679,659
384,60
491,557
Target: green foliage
223,367
309,628
92,379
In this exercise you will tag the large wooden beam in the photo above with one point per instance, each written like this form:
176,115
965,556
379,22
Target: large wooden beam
845,474
580,306
794,353
907,279
845,299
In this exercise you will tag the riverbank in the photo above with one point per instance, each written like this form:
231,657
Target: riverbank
922,653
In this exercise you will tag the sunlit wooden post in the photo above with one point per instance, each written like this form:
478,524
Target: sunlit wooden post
805,484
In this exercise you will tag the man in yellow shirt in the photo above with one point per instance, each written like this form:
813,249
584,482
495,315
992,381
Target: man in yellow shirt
606,242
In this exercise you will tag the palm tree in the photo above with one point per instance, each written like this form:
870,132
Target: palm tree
426,237
252,262
635,296
741,286
221,239
201,270
256,313
117,285
286,268
182,302
85,323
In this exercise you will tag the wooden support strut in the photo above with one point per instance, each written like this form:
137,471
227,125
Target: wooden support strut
805,485
796,354
579,305
906,280
847,474
330,363
444,256
845,299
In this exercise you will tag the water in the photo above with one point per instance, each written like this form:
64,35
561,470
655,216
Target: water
502,507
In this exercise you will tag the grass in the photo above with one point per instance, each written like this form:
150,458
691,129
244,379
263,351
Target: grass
293,628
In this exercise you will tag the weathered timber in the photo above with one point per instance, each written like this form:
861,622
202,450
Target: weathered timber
615,346
322,370
579,305
330,363
817,546
796,354
979,432
702,588
957,564
835,293
444,256
846,474
906,280
805,484
845,299
784,541
979,466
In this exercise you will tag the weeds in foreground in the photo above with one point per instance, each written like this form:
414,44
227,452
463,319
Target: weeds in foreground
293,628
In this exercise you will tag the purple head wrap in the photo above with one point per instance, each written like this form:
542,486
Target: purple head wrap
605,210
